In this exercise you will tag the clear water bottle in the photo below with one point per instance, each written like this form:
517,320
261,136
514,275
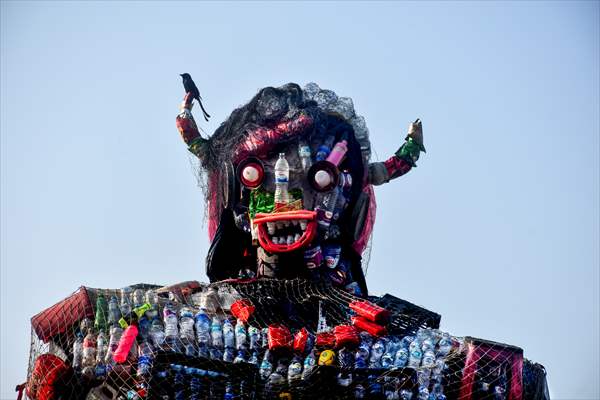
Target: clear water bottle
282,176
345,358
113,342
171,328
215,353
228,334
228,354
126,302
254,336
145,358
102,350
304,154
78,352
310,363
361,360
377,352
423,393
138,298
265,337
445,345
151,298
406,394
216,333
387,360
157,333
114,312
253,358
428,359
202,323
294,372
186,324
266,366
401,358
240,335
415,354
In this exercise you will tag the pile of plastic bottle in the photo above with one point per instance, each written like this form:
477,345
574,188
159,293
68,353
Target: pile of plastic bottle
137,330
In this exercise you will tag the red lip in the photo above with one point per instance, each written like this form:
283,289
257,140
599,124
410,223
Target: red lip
293,221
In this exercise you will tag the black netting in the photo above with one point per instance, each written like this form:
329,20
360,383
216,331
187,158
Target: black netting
262,339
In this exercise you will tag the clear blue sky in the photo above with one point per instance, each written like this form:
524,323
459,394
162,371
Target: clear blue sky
497,229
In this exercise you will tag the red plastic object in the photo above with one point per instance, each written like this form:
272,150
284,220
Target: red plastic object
263,236
242,309
370,311
345,335
300,340
279,337
325,340
370,327
125,344
63,315
49,371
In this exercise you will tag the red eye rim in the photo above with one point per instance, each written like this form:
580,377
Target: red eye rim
250,162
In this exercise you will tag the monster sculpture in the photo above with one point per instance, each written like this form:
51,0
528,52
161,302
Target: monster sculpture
311,214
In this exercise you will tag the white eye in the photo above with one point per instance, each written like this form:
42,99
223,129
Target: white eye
323,178
250,173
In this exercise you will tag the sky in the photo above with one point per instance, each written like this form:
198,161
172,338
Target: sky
497,229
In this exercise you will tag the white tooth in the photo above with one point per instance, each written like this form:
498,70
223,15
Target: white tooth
286,223
297,237
275,239
290,239
282,240
303,224
295,222
279,225
271,228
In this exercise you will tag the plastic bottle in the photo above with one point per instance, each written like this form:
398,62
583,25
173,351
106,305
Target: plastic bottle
401,358
415,354
228,354
294,372
126,302
138,298
157,333
102,350
254,336
253,358
387,360
216,333
310,363
445,345
186,331
282,176
345,358
202,323
125,344
78,352
359,391
240,335
229,392
266,366
171,329
325,148
304,154
88,361
145,358
100,322
428,359
151,298
240,356
423,393
326,202
114,312
228,334
406,394
361,360
113,342
376,353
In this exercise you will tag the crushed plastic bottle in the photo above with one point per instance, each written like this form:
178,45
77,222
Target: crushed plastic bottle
376,353
294,372
305,156
254,336
114,312
216,333
145,358
126,302
78,352
266,366
157,333
171,328
102,350
310,362
240,335
228,334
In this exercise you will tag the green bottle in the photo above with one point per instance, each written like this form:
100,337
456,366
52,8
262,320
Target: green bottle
100,322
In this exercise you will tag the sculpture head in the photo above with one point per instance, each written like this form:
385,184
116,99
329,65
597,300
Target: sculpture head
326,147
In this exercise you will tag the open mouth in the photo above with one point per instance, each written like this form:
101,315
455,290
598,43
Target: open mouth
285,231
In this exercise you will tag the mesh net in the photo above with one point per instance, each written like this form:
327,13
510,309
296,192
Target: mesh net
262,338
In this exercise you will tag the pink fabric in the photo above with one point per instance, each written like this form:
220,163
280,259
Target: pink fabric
475,352
360,245
213,208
